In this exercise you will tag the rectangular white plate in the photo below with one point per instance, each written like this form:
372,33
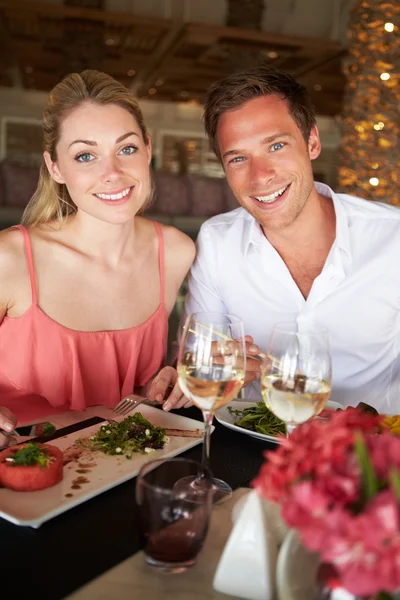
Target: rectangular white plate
224,417
34,508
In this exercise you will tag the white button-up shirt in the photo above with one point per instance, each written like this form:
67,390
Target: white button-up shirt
356,296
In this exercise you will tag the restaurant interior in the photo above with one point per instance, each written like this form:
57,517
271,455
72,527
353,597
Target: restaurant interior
168,52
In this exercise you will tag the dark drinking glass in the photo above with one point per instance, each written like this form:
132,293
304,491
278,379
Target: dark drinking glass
173,522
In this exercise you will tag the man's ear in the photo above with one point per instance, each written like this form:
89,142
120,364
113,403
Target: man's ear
314,143
52,168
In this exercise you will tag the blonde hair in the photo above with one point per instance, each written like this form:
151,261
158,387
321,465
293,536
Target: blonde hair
51,200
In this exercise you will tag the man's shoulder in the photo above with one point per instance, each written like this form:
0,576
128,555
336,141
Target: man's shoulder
356,207
237,220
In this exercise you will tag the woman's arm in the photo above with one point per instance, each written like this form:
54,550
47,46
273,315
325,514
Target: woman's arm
10,263
179,255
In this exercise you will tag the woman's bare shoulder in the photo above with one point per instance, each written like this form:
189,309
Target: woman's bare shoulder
178,245
12,250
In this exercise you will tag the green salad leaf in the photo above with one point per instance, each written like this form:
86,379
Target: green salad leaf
133,434
28,456
258,418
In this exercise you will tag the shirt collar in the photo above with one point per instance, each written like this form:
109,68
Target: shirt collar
342,239
254,235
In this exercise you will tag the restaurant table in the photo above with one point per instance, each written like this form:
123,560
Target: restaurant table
81,544
133,578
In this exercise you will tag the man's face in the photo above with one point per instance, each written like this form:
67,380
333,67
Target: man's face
267,161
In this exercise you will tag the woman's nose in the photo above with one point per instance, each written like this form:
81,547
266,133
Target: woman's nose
111,168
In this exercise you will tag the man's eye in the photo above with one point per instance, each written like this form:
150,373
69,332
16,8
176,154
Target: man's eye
84,158
277,146
129,150
237,159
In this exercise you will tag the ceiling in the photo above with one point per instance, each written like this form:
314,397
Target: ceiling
164,59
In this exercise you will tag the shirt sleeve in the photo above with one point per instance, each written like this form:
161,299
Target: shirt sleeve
203,285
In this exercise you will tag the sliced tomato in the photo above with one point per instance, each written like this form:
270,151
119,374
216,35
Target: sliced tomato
23,478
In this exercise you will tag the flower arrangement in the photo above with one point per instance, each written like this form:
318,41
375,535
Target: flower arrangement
338,484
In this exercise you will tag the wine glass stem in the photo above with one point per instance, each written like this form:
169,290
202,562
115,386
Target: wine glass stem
208,419
289,429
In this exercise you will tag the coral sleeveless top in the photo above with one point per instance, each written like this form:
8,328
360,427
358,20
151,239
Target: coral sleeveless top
43,362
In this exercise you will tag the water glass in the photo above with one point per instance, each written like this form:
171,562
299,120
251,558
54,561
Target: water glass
173,519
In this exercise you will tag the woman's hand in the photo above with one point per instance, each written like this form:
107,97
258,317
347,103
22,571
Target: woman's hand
158,390
8,422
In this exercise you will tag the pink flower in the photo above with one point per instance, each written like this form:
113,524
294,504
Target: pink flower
319,476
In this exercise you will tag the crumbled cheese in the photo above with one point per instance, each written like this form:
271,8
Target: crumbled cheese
148,450
8,459
147,432
166,439
108,431
118,450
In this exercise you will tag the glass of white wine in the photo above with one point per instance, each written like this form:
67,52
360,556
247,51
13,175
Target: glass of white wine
211,370
296,376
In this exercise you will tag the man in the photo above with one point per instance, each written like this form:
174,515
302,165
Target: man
295,250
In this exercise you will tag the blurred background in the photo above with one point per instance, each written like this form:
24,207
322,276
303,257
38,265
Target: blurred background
346,52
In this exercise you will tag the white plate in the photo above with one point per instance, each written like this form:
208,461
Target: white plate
296,570
224,417
34,508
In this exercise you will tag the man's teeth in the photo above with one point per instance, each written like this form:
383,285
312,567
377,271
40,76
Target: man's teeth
273,196
114,196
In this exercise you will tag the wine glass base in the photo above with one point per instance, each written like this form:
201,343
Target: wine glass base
220,489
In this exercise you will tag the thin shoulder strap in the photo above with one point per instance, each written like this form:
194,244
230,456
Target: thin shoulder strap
29,258
160,259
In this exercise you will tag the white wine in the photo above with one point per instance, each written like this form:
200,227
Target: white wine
209,388
296,401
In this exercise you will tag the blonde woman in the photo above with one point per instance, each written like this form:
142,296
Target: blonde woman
86,282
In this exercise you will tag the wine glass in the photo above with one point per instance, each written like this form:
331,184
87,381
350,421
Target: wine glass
296,375
211,371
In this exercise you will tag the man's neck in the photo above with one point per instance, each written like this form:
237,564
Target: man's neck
314,228
304,245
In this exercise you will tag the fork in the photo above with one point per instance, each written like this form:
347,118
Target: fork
127,404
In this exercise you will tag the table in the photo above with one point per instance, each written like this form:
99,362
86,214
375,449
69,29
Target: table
74,548
134,579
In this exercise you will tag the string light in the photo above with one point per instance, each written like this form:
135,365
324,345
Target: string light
369,161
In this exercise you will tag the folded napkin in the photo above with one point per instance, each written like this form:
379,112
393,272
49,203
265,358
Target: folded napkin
248,563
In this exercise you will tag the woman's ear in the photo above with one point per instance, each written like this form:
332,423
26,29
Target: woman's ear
149,149
52,168
314,143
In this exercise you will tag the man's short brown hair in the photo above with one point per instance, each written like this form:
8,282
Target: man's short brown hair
236,89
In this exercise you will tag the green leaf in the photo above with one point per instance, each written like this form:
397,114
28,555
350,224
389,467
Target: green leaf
369,480
395,479
387,596
30,455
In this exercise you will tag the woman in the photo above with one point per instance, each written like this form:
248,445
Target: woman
86,283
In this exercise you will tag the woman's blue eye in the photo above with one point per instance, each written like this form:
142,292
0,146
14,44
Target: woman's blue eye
277,146
129,150
84,158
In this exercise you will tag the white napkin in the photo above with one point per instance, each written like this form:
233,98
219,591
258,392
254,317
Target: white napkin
247,566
